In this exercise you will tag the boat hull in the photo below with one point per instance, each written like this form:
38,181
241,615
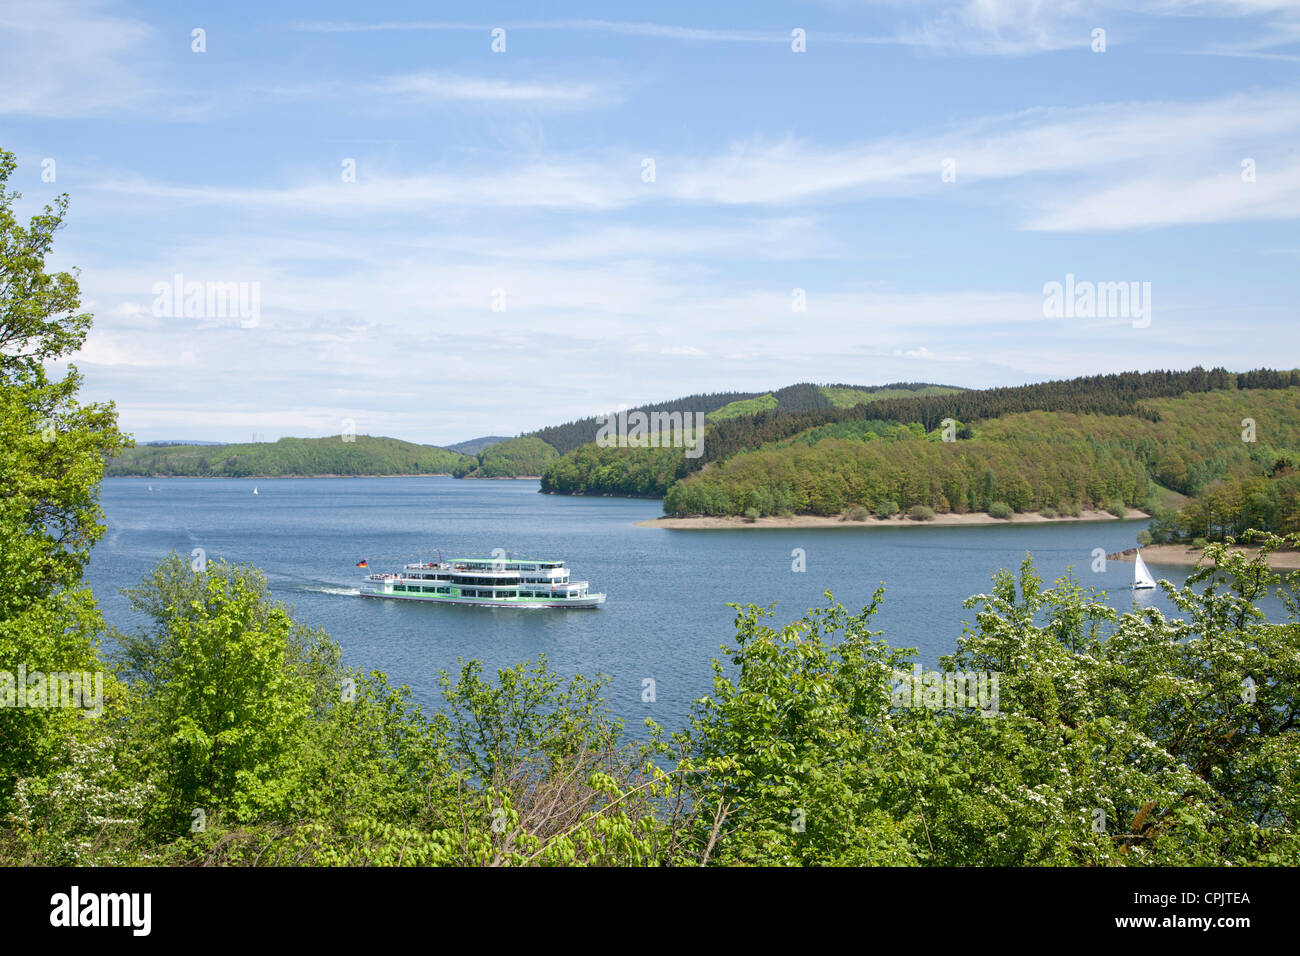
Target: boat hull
588,601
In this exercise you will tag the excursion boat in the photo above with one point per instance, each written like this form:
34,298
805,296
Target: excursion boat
484,582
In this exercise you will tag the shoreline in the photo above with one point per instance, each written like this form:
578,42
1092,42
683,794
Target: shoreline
1184,555
950,519
276,477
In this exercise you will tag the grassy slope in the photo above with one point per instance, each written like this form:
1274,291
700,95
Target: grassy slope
848,397
840,396
749,406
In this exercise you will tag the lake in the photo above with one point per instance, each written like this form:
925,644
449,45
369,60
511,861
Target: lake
666,612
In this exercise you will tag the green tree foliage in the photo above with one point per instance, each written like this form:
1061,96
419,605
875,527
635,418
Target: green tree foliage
1030,460
631,472
228,705
1178,734
572,435
52,451
1119,739
1232,506
288,457
513,458
1119,395
804,397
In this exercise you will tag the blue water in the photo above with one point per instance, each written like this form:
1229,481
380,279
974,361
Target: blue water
666,612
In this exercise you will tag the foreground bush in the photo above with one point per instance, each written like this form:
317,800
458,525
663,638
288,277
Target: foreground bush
1109,739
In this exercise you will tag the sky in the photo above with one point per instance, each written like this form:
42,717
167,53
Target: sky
456,220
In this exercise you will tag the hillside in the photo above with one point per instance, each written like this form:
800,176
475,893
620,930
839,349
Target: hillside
1117,394
1029,461
806,397
572,435
647,472
526,456
476,445
288,457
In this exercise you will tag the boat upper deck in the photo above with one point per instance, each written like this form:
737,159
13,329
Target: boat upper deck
488,565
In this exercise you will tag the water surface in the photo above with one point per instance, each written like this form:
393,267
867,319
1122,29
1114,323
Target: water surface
666,613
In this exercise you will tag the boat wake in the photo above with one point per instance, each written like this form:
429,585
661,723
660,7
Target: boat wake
327,589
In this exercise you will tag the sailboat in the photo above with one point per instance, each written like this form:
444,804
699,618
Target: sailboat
1141,576
255,489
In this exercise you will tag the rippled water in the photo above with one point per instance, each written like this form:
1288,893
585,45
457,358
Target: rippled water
665,614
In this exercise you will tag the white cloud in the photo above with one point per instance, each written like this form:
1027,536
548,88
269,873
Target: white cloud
1162,201
436,87
70,58
1051,154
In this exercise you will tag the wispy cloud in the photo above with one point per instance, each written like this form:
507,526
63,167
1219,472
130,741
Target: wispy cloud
1162,201
437,87
1087,159
70,58
974,27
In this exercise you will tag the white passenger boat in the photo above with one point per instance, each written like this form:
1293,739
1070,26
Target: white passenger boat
484,582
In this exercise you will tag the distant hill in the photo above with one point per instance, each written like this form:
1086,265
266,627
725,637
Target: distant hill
490,456
476,445
721,405
776,452
512,458
805,397
648,472
565,438
288,457
1054,459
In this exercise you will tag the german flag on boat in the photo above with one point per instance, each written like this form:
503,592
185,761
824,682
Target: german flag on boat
363,563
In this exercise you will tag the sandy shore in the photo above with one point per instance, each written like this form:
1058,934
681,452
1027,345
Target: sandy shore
1181,554
818,521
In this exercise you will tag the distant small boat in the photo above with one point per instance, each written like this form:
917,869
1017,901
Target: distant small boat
1141,576
255,489
151,487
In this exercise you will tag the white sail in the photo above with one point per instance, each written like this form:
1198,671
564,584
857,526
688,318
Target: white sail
1141,576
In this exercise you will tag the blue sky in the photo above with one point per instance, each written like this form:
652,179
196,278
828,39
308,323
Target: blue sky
486,179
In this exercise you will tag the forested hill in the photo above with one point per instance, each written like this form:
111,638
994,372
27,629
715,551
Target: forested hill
523,457
1099,441
1116,394
717,406
1020,462
288,457
487,457
565,438
476,445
